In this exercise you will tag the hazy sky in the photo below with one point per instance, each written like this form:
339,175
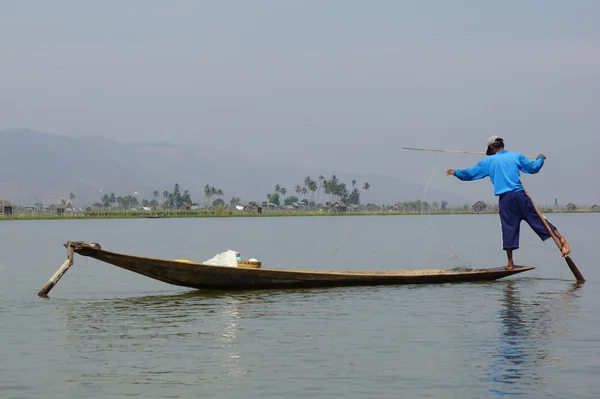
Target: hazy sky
337,84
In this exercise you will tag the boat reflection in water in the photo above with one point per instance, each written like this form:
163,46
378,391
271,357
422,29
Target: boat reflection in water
229,314
525,329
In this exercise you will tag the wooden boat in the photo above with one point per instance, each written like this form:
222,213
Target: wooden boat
202,276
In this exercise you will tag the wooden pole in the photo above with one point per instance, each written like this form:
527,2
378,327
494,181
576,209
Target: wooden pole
570,263
455,151
59,273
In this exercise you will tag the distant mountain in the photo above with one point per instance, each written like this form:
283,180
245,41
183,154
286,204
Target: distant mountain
44,167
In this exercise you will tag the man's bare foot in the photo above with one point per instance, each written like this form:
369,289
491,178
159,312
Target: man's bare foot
509,255
565,249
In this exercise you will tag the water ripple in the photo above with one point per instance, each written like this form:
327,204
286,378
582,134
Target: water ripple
107,333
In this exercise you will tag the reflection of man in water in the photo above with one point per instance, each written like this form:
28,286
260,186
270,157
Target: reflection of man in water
512,356
520,348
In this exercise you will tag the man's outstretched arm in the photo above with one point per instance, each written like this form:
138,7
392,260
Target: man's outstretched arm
477,172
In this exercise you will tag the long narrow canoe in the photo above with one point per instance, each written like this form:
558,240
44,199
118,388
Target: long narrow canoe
203,276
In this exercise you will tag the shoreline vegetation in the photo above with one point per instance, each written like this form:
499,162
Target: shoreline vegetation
320,197
228,213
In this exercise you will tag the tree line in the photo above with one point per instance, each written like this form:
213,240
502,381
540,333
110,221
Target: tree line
323,189
309,192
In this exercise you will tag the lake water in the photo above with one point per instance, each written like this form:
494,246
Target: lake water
106,332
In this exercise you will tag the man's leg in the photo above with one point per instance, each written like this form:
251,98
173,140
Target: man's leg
511,220
536,224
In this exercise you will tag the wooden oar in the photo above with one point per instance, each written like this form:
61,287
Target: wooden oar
569,261
59,273
455,151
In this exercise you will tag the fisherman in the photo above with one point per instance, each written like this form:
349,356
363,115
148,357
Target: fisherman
514,204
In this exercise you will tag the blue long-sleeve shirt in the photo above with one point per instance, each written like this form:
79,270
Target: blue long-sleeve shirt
503,169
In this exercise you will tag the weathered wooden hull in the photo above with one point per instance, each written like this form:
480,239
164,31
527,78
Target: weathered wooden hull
201,276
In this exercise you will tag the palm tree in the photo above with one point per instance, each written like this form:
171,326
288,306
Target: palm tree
342,192
304,191
283,191
176,192
333,187
312,186
308,182
321,186
366,187
207,193
71,198
155,194
167,196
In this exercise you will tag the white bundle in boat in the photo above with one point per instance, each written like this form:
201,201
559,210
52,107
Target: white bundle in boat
227,258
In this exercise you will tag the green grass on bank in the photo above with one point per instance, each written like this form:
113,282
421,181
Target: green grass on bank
115,214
